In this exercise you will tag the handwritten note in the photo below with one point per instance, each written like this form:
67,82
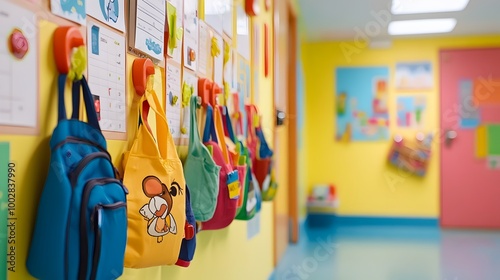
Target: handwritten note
18,98
147,19
174,100
106,70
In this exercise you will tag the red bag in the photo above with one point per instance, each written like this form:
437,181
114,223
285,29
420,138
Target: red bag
261,166
227,199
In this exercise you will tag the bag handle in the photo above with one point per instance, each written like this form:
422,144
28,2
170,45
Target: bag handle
209,130
251,114
164,141
227,124
194,137
220,134
78,87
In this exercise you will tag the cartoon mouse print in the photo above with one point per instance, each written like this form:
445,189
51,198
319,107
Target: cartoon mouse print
157,211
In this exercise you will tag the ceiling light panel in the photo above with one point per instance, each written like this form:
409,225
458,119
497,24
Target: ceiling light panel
402,7
422,26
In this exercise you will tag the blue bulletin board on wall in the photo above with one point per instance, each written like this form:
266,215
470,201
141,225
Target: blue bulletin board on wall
361,103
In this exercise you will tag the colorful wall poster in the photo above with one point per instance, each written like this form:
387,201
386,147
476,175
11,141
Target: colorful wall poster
361,99
18,99
106,71
469,112
175,12
73,10
414,75
5,184
174,100
411,111
147,27
110,12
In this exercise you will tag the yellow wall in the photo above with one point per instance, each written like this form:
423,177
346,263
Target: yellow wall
366,185
223,254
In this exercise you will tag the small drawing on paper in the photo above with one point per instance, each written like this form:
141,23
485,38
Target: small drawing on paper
73,10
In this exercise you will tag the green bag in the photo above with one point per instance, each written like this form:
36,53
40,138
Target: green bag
201,172
248,208
248,205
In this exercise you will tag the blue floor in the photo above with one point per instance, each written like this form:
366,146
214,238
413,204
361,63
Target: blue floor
391,253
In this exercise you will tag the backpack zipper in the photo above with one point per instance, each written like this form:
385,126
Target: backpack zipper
76,140
98,234
83,163
89,186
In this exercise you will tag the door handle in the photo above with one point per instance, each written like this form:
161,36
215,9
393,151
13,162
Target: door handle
450,135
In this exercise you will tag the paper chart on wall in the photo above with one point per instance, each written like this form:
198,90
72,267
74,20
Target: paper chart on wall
191,34
18,98
218,60
73,10
147,27
106,71
189,87
228,66
174,100
203,44
110,12
175,12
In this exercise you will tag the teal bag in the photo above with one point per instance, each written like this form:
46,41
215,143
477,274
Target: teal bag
201,172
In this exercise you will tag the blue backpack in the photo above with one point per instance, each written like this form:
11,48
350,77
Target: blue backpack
81,224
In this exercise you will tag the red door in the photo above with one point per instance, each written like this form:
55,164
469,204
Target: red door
470,187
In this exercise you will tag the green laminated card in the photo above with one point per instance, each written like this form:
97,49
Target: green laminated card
4,166
493,132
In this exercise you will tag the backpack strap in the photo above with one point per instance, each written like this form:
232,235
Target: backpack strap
78,87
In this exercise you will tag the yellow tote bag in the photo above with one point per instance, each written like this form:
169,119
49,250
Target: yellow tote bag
154,177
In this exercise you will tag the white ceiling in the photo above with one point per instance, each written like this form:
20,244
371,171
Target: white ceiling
336,20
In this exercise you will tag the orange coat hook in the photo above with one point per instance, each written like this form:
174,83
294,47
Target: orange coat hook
141,69
216,90
204,88
65,39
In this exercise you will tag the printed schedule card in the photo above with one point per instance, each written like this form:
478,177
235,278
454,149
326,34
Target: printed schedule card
147,26
106,71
